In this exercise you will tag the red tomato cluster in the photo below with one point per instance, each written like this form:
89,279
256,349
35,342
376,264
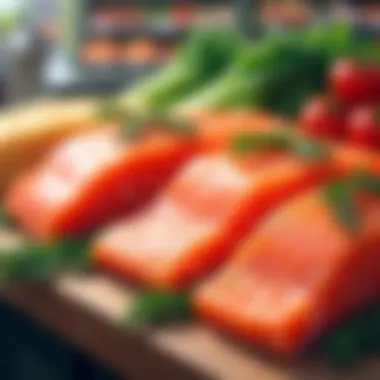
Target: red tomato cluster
352,110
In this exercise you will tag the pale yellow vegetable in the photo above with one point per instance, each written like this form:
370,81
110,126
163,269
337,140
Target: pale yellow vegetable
28,131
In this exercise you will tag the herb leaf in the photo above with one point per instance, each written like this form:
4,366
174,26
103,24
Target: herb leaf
39,262
341,197
341,348
261,141
367,182
302,147
308,149
159,307
348,343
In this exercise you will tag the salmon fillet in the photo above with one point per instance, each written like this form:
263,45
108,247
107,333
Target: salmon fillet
201,215
297,274
98,176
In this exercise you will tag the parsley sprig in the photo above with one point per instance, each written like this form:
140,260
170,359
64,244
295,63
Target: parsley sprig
350,342
135,126
32,261
302,147
154,307
341,195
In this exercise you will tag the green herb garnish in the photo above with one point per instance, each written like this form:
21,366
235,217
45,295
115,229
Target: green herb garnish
40,262
341,195
205,54
260,141
135,127
359,336
308,149
300,146
342,349
367,182
159,307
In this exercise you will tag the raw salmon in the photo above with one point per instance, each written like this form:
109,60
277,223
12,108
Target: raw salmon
28,132
91,179
97,176
201,215
297,274
218,128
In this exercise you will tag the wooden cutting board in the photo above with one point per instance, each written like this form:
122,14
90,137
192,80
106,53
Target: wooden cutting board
88,312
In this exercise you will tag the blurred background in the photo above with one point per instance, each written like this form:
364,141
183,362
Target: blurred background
71,46
65,47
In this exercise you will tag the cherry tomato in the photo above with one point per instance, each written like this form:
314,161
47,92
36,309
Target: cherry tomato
322,117
354,83
363,126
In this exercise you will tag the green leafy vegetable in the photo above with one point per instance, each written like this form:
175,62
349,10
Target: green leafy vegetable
39,262
347,344
300,146
205,54
308,149
260,141
159,307
278,72
341,195
342,349
367,182
261,76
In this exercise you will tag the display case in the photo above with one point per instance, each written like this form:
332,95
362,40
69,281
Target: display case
105,44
